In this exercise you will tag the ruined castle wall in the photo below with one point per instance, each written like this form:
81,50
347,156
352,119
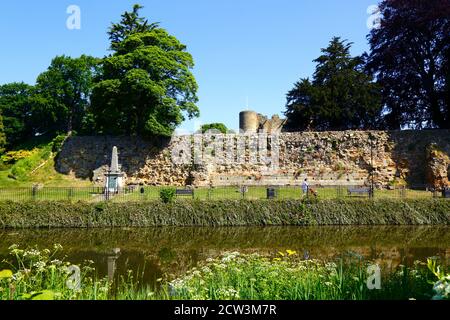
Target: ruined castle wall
325,158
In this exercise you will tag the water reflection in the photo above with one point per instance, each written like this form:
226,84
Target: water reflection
112,263
152,252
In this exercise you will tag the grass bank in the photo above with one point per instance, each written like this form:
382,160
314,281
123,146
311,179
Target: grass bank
223,213
33,162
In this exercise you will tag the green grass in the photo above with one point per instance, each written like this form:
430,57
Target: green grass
37,168
254,193
82,214
51,194
59,188
35,275
287,277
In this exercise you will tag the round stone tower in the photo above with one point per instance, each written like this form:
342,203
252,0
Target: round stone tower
248,121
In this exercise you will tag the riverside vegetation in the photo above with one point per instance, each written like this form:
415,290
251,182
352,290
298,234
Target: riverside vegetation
36,275
53,214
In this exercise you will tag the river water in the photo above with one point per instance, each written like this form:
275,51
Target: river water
153,252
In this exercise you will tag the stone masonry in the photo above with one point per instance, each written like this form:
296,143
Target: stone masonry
325,158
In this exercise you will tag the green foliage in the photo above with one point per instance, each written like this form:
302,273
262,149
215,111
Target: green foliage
34,162
2,135
442,285
62,94
286,276
39,275
215,126
14,156
66,214
167,195
410,55
25,161
341,95
58,102
146,87
22,168
58,142
15,107
131,23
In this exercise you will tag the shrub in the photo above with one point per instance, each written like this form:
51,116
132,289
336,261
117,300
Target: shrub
24,166
14,156
66,214
37,275
57,143
441,287
167,195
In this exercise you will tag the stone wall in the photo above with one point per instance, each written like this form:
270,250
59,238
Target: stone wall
325,158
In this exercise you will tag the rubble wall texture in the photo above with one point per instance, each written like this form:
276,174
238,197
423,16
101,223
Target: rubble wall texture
325,158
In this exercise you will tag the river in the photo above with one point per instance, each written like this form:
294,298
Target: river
154,252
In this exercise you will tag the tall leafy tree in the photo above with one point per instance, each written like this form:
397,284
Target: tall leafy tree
410,57
131,23
146,86
16,110
340,96
2,136
62,94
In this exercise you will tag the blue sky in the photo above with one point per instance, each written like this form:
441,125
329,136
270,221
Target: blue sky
242,48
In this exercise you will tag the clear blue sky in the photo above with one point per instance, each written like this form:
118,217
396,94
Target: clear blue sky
242,48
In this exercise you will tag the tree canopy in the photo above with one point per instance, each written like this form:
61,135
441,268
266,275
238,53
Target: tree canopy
340,96
146,87
2,135
62,94
130,24
16,110
410,55
214,126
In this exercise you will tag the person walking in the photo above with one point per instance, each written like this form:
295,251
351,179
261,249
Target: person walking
305,187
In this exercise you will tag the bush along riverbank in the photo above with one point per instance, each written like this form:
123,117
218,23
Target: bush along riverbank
37,275
223,213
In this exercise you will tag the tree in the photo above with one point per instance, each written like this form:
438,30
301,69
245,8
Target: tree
341,95
214,126
16,110
63,92
2,136
146,87
131,23
410,57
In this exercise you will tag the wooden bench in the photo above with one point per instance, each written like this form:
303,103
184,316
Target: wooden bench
184,192
359,191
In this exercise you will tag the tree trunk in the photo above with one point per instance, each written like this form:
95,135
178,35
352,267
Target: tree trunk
70,123
436,115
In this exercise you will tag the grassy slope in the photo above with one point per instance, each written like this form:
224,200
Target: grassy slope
39,167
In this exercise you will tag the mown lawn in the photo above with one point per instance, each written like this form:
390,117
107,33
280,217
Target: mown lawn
76,193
